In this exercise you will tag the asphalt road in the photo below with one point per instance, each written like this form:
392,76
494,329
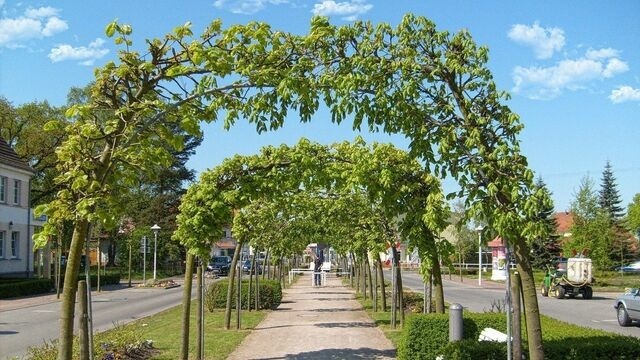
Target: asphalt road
37,323
597,313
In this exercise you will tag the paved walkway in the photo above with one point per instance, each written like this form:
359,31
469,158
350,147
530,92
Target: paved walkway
316,323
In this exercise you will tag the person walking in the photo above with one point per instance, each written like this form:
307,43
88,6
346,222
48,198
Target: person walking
317,268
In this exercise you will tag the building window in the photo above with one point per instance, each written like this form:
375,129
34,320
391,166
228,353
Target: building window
17,184
2,244
3,189
15,242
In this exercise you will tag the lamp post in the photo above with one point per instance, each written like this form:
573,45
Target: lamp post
155,229
479,230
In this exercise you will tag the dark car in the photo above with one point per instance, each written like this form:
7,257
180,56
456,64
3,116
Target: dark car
628,307
246,267
220,265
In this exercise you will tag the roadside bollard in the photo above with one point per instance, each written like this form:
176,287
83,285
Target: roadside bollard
455,322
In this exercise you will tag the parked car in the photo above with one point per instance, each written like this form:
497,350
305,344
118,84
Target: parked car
246,267
628,307
220,265
634,267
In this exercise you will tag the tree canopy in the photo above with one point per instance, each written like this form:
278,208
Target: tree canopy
432,86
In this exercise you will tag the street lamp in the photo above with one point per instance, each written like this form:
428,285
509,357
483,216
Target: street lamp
479,230
155,229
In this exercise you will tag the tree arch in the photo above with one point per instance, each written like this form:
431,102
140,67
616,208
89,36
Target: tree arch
432,86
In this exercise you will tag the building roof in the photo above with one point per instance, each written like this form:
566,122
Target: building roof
496,242
226,244
564,220
9,157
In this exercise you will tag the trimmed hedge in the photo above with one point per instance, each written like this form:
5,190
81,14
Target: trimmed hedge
15,287
270,294
110,278
10,288
426,336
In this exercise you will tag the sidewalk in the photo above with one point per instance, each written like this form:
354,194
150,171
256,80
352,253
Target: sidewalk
316,323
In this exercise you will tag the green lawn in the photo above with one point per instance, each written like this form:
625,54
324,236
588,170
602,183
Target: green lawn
164,329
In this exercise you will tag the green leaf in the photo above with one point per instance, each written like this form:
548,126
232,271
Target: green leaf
110,29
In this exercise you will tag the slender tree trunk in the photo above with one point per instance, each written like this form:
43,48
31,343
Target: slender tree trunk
265,265
530,300
437,283
199,322
231,278
99,263
357,266
399,289
186,306
253,271
238,297
83,320
67,306
515,325
368,265
363,275
129,276
383,290
394,292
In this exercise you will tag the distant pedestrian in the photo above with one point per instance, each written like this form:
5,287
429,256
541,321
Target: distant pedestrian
317,268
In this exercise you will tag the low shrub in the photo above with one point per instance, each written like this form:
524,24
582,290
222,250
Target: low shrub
425,336
110,278
24,287
470,349
270,294
122,342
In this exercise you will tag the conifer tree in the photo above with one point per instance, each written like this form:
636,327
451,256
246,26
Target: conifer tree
608,196
544,249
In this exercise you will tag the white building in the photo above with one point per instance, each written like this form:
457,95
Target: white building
16,219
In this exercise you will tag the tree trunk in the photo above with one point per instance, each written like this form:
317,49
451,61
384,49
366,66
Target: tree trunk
437,283
238,297
186,306
67,306
400,292
231,278
253,271
265,265
368,265
129,272
356,265
363,274
199,344
517,311
83,320
530,300
383,290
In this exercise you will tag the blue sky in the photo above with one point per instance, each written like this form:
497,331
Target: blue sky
573,69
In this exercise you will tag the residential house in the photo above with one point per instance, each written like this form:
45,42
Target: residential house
225,246
16,218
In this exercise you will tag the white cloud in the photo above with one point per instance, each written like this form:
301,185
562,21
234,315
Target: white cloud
34,24
571,74
624,93
605,53
246,7
347,10
41,12
544,41
86,55
54,25
615,66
